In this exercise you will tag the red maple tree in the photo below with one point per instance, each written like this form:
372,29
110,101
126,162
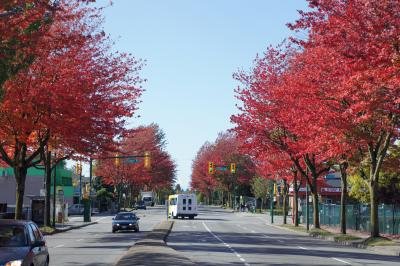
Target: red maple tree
75,94
132,171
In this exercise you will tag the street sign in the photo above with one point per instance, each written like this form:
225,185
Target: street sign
221,168
133,160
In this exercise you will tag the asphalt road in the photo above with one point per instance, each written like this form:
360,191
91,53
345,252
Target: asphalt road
96,244
218,237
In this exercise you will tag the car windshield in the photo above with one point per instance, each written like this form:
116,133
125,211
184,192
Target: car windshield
12,236
125,216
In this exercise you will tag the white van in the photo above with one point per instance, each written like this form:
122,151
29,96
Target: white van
182,205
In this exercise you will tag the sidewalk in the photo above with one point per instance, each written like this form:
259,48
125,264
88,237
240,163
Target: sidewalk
153,251
74,222
333,233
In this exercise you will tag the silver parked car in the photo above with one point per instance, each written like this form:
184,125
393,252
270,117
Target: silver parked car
22,243
75,209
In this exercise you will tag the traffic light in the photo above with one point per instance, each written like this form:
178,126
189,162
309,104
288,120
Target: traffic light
117,160
211,168
233,168
78,168
147,160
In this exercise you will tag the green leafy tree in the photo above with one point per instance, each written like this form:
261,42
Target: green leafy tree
261,188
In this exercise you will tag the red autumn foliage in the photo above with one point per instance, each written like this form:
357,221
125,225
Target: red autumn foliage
335,95
223,152
137,142
75,94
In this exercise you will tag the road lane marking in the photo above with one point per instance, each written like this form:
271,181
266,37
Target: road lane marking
303,248
59,246
281,241
101,219
79,240
343,261
222,241
253,231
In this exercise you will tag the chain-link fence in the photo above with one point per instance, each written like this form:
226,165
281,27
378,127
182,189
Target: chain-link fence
357,217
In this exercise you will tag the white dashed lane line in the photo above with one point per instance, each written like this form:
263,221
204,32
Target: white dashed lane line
227,245
59,246
343,261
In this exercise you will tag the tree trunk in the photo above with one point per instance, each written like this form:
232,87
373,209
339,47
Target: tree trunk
315,210
285,201
374,226
48,188
295,199
262,203
343,197
20,177
295,205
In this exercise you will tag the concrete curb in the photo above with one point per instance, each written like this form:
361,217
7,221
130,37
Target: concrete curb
354,243
152,250
57,231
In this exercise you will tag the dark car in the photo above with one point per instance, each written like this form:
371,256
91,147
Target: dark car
22,243
125,221
140,205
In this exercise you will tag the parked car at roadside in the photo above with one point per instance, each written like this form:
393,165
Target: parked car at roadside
78,209
125,221
75,209
22,243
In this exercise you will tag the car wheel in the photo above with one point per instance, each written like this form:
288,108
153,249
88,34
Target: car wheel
47,261
114,231
191,217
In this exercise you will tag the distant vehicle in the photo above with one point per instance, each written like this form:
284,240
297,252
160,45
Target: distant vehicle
75,209
148,197
140,205
125,221
22,243
182,205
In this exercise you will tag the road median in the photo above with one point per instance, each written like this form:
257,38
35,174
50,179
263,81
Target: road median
152,250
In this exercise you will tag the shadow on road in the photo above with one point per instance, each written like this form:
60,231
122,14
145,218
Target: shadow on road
259,244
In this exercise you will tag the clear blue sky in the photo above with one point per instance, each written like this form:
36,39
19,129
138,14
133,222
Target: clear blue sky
192,49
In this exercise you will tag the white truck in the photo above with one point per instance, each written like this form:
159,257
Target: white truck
182,205
148,197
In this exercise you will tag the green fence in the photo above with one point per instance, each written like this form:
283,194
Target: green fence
357,217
